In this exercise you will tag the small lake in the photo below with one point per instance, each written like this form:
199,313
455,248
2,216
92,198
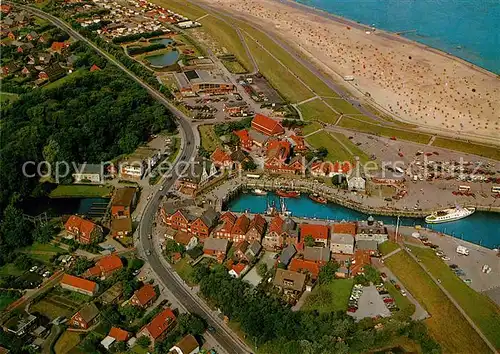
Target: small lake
92,207
162,60
480,228
165,41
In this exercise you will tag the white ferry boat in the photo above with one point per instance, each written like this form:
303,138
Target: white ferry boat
448,215
259,192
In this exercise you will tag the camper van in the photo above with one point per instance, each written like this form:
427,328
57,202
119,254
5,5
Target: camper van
462,250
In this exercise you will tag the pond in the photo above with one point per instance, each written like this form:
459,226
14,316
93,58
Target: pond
163,60
165,41
92,207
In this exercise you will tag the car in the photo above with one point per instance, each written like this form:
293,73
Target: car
136,272
46,274
403,292
387,300
188,143
150,237
453,266
467,281
397,286
352,309
33,269
393,281
445,258
211,329
383,275
148,252
161,188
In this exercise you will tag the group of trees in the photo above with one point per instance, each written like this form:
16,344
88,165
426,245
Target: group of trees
137,36
145,49
226,128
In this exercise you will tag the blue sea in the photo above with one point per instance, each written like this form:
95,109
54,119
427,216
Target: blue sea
464,28
480,228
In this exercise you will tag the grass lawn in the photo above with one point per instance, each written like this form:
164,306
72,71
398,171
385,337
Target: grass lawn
277,75
342,106
209,140
182,7
387,247
318,110
234,66
311,127
469,148
446,324
311,80
363,157
42,251
416,137
67,341
6,98
10,269
336,152
330,297
406,307
176,149
65,79
479,307
52,310
184,269
80,191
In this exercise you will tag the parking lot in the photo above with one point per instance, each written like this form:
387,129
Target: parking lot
369,303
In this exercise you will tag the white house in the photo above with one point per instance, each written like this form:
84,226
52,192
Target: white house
356,183
342,243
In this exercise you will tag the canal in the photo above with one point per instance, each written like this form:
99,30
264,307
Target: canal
480,228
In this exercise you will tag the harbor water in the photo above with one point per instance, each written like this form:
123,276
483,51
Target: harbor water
466,29
480,228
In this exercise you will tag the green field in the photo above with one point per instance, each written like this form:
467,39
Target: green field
80,191
209,140
60,303
363,157
311,127
184,269
406,307
329,297
67,341
416,137
469,148
58,83
277,75
6,98
10,269
336,152
234,66
42,252
479,307
342,106
446,324
387,247
318,110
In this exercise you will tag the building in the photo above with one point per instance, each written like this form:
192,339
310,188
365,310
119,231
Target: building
389,178
367,245
158,328
216,247
195,221
287,255
221,159
237,269
187,345
267,126
89,173
319,255
104,267
121,227
245,141
371,229
79,285
200,172
234,108
253,250
203,82
83,231
360,261
258,139
86,317
330,169
305,267
290,232
240,251
20,324
54,72
356,183
185,239
123,202
144,297
298,143
112,295
140,163
342,243
115,335
228,221
256,229
289,281
240,228
319,233
344,228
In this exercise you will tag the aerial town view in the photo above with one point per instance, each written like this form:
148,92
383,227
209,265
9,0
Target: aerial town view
249,176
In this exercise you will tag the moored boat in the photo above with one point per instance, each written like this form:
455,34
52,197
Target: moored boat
448,215
318,199
287,194
259,192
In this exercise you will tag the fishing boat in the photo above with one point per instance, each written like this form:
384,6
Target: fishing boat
284,211
271,209
259,192
447,215
287,194
318,199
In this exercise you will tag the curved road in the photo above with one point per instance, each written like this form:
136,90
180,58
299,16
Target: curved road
228,340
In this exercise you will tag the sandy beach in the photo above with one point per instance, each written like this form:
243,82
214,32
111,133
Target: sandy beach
419,85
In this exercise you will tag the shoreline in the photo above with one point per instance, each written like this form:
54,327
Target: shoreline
386,33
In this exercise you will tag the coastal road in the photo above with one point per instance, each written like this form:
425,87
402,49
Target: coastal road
228,340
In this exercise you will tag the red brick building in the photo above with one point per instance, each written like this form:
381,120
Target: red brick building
104,267
245,141
240,228
144,297
220,158
199,225
256,228
228,220
216,247
267,126
319,233
158,328
84,231
122,202
85,317
79,285
306,267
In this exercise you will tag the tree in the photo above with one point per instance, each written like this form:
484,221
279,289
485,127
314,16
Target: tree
135,264
327,272
191,323
338,180
23,261
200,271
81,265
262,269
309,241
44,233
131,312
249,165
15,231
144,341
372,274
322,152
120,347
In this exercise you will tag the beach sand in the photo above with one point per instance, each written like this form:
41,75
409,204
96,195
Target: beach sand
419,85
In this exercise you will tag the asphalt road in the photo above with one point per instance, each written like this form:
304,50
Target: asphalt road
229,341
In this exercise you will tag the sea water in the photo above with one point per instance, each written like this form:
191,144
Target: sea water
467,29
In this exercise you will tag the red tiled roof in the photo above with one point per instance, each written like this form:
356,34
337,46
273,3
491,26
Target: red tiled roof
241,224
119,334
300,265
267,125
259,223
276,224
316,231
298,140
238,268
94,68
228,216
78,282
219,156
161,323
94,271
85,227
145,294
362,258
242,134
182,237
58,46
329,166
278,148
345,228
110,263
